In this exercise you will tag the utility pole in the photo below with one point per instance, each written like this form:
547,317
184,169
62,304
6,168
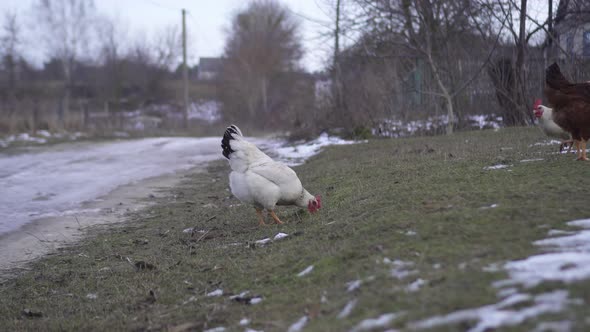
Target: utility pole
549,46
336,74
184,69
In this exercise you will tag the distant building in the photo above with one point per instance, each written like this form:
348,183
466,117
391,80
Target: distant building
572,27
210,68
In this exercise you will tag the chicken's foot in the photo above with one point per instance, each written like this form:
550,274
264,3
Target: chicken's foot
275,217
260,218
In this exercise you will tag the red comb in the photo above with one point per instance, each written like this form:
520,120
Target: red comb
537,103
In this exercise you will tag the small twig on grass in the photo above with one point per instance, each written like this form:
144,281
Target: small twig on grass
39,239
63,235
127,259
78,221
202,236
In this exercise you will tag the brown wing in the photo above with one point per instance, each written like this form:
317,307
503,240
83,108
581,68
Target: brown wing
560,91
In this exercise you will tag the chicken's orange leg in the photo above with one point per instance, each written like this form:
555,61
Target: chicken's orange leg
578,149
260,218
275,217
583,147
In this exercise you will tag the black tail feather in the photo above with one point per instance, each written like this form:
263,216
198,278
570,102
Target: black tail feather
554,78
227,136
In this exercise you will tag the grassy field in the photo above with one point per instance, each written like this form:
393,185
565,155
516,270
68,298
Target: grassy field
420,200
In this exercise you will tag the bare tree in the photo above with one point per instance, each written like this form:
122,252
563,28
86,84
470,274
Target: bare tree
112,38
11,40
437,33
339,105
167,46
263,42
335,28
112,46
510,72
151,59
66,25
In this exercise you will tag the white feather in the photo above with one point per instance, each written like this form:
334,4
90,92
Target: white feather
549,126
258,180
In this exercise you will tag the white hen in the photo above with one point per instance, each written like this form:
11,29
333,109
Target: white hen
544,115
258,180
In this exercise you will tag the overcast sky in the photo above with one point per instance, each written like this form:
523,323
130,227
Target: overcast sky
207,22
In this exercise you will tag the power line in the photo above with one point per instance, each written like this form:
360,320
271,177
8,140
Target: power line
155,3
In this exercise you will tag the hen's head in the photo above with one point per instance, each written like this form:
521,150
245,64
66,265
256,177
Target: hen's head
538,108
314,204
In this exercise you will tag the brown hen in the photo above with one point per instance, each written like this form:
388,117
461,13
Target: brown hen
571,106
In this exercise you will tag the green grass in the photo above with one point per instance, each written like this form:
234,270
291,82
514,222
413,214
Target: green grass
373,194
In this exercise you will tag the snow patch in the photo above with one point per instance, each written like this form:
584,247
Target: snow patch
353,285
246,300
242,294
244,321
373,323
205,110
400,268
584,223
485,121
492,206
216,329
215,293
416,285
546,143
493,316
192,230
347,309
298,325
40,137
531,160
494,267
306,271
264,241
280,236
494,167
555,232
297,154
432,124
567,260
